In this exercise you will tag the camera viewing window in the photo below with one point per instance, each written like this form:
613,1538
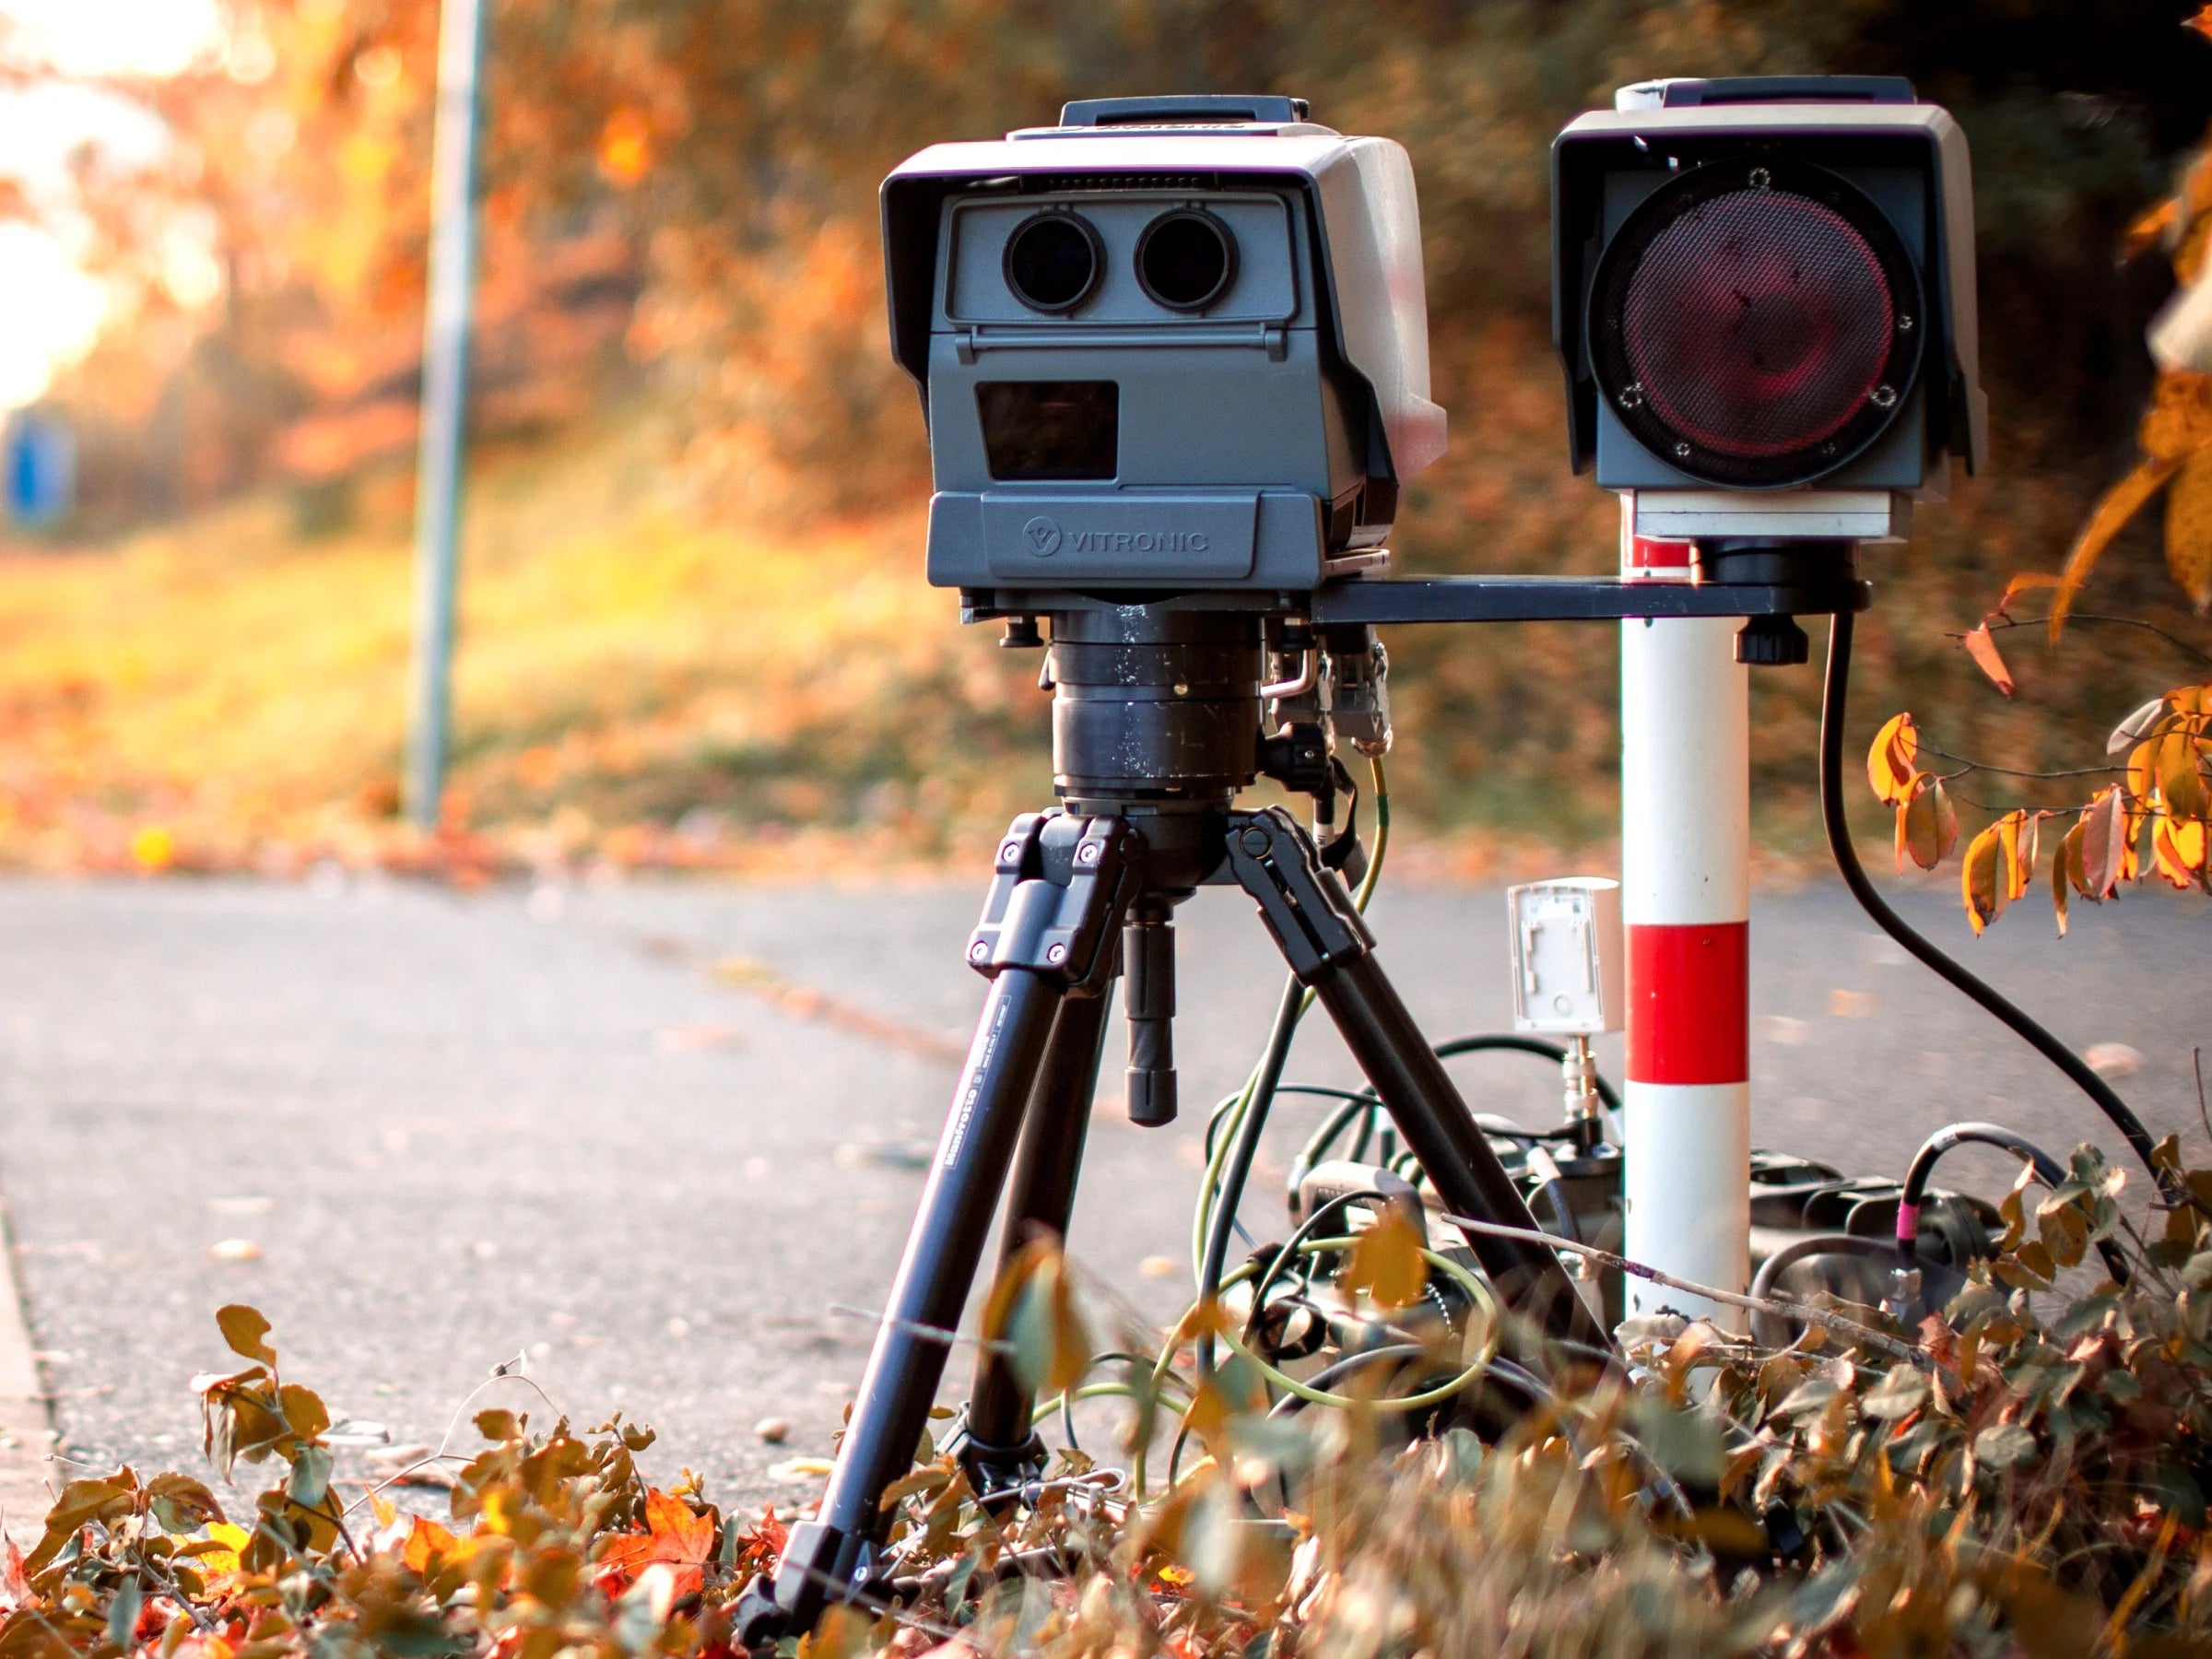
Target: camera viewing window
1049,429
1053,262
1186,260
1757,323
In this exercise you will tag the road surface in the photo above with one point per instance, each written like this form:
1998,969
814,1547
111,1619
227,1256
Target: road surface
649,1137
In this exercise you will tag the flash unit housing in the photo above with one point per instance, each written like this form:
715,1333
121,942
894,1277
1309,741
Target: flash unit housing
1171,344
1763,301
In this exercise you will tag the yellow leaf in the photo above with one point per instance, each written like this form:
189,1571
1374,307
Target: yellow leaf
2120,503
2142,769
1982,880
1386,1261
2189,530
2177,851
1927,826
2180,773
1889,763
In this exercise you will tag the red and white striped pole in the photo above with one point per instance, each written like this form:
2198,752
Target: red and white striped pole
1686,902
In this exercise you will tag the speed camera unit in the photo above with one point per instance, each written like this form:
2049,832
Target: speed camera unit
1170,344
1763,297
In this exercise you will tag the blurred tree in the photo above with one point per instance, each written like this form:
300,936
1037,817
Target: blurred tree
680,194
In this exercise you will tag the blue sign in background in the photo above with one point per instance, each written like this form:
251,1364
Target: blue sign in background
41,460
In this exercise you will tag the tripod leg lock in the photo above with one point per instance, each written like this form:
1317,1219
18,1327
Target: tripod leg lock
1058,890
1304,905
999,1473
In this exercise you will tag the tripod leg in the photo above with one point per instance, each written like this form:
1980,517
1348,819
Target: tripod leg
1002,1447
1328,946
1061,889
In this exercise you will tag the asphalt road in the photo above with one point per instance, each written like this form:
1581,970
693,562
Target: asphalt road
648,1136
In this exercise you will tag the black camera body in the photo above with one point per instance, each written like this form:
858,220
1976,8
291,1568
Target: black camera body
1763,299
1171,344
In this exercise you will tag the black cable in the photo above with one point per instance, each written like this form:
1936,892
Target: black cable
2048,1171
1367,1101
1287,1256
1834,693
1525,1045
1242,1153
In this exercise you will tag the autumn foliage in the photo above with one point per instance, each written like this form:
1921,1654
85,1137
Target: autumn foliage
2155,818
2028,1473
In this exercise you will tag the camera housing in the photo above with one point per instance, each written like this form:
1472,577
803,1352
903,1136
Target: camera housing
1170,344
1763,299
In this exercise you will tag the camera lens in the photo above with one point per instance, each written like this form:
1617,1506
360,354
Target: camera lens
1186,260
1756,324
1052,261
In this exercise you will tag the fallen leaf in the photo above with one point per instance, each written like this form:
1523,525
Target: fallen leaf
427,1544
2113,1059
674,1535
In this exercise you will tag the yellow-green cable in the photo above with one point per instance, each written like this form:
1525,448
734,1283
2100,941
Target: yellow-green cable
1226,1132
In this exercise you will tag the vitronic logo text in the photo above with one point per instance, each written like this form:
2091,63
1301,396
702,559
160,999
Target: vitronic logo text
1046,540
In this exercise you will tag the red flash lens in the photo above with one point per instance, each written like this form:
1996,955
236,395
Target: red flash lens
1756,324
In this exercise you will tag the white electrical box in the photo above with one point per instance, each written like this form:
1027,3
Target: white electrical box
1567,978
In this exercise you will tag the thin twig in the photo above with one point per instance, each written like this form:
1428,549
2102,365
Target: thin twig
2014,771
2197,1059
499,1373
1786,1307
1997,619
928,1332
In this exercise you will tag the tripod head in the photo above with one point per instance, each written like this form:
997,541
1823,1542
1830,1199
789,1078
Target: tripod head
1160,715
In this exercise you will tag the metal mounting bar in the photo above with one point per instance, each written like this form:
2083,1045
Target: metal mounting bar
1457,599
1577,599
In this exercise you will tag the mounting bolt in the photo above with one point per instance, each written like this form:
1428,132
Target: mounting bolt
1009,852
1055,954
1087,852
979,952
1254,840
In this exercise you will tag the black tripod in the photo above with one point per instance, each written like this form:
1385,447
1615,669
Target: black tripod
1156,726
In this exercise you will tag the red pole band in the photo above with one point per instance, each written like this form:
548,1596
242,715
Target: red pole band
1690,1002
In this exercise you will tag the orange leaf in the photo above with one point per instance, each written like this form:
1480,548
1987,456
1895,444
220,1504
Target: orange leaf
2027,582
2120,503
1984,650
2065,864
1889,763
426,1543
674,1535
1984,881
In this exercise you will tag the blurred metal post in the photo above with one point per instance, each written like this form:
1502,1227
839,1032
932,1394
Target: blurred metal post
444,402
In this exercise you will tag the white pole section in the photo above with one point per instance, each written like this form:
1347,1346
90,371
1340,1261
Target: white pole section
1686,901
444,402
